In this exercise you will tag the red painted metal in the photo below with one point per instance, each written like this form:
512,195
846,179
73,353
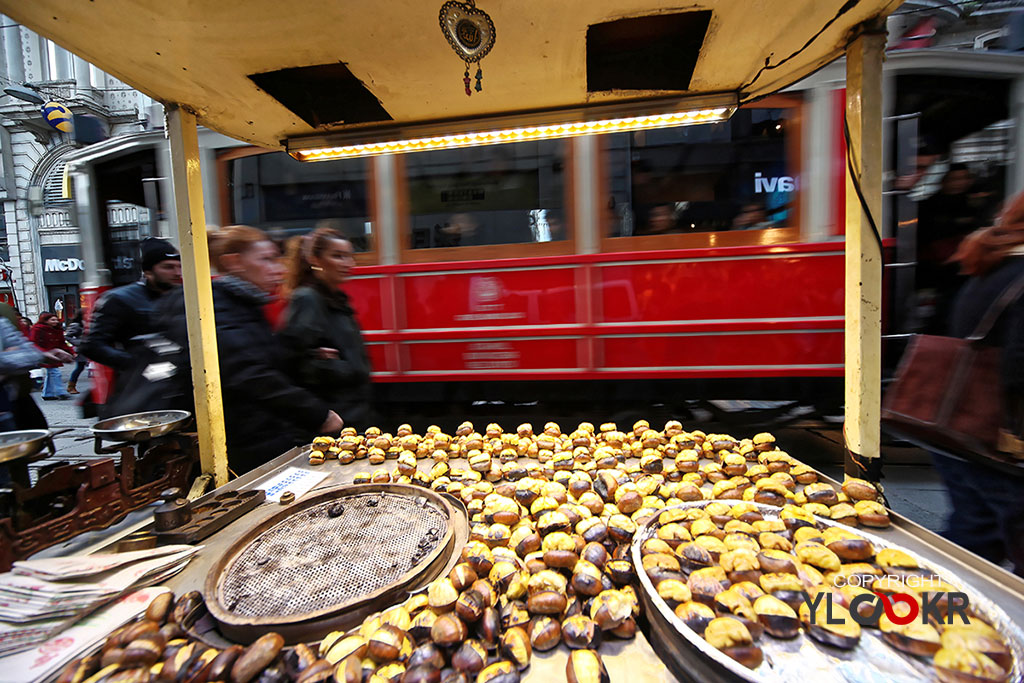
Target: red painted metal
724,312
102,376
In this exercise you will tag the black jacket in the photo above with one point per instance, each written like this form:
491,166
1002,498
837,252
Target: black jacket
317,317
265,413
120,316
971,305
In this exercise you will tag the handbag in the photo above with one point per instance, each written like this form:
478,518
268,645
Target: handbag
947,395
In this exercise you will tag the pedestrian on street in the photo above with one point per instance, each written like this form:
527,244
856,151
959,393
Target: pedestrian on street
265,413
74,336
15,378
325,351
124,315
987,514
48,335
17,356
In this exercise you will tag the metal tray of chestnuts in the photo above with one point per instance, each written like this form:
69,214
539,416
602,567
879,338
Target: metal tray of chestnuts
726,584
325,562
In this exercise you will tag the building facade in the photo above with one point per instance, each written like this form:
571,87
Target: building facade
41,267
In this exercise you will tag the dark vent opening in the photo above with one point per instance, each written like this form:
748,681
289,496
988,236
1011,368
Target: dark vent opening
323,94
645,53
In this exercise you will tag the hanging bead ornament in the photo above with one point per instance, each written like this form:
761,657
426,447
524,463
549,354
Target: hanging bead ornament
470,32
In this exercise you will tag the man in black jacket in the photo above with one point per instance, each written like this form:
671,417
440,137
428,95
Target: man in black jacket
124,314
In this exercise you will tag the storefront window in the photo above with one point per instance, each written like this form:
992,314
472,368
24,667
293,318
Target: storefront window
733,175
287,197
501,194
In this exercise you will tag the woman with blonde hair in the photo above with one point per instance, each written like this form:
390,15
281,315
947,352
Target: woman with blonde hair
325,347
987,515
265,413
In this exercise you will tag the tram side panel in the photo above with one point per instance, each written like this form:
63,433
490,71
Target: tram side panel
744,322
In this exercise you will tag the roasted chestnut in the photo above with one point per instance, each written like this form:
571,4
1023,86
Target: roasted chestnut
978,637
442,595
921,640
955,665
586,579
777,618
581,633
586,666
470,606
427,655
462,576
546,602
254,658
832,624
516,647
448,630
732,638
620,571
545,633
499,672
696,615
610,608
513,613
470,657
385,644
160,608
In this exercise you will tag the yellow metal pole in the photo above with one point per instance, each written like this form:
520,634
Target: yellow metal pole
864,253
195,270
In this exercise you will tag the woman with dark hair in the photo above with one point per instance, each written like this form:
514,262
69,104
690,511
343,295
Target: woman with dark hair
320,332
265,413
48,335
987,514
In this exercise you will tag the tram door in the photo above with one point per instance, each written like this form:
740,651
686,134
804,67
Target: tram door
900,214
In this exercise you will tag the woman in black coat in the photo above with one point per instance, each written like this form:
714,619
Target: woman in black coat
265,412
987,514
325,348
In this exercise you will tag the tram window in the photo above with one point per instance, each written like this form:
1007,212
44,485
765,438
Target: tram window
499,194
288,197
732,175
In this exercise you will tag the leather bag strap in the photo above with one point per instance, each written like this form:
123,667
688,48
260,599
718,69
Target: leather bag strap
1012,292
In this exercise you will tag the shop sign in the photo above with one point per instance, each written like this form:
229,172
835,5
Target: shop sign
770,185
62,265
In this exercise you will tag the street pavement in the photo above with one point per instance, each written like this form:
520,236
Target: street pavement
68,414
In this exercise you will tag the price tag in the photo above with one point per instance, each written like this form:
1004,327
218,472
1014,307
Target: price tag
294,479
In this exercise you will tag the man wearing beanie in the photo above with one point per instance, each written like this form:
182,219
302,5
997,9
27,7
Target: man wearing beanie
124,314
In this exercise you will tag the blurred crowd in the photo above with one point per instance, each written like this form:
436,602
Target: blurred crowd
291,356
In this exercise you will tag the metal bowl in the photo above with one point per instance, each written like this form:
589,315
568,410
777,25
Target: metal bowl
141,426
22,444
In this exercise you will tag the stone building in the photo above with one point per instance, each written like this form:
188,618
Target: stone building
39,240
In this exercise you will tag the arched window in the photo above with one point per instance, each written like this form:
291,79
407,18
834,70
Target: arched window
49,173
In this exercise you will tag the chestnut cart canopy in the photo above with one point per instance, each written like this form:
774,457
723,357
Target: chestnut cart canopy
324,78
266,71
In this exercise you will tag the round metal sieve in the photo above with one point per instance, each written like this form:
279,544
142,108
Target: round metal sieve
326,560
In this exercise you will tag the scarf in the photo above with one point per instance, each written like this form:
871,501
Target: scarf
244,289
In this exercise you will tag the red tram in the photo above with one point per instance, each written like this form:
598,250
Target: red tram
696,262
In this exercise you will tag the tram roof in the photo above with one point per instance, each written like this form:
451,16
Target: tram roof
202,54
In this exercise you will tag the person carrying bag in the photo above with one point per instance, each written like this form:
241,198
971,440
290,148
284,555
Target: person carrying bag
962,397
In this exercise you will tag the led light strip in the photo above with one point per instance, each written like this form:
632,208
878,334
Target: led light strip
497,137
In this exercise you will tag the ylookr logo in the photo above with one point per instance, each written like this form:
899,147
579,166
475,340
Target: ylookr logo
931,607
